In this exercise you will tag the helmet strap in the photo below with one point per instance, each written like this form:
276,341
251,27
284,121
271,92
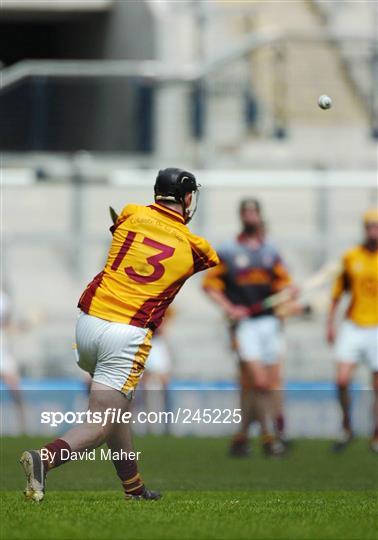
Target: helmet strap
169,198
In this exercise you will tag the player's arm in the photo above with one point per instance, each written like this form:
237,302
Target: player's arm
340,285
282,280
214,286
204,255
232,311
331,328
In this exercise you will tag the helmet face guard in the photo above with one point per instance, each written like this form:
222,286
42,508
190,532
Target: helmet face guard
192,208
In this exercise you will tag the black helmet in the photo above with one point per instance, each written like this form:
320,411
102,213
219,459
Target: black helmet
173,184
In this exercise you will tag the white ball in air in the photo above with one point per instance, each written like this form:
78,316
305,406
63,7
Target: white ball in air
325,102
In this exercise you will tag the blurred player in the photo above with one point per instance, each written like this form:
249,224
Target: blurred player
151,256
158,369
8,367
158,372
358,336
250,270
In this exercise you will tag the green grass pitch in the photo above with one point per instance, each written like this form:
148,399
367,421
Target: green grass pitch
310,494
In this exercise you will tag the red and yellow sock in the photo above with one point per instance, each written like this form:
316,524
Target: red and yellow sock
127,471
55,458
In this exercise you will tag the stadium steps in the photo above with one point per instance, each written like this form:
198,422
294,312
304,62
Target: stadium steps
354,19
312,69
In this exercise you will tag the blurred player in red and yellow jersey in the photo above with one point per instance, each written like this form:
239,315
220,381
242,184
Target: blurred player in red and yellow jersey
151,256
251,270
358,336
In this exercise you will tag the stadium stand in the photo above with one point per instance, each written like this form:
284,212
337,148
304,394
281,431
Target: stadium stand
310,67
54,6
357,19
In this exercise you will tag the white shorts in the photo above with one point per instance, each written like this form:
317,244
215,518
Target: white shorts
355,343
8,364
113,353
260,339
159,360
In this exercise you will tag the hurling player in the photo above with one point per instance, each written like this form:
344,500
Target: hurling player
8,367
151,256
158,369
358,336
251,270
157,374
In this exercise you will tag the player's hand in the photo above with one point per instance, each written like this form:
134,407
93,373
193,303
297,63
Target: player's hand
236,313
294,292
331,333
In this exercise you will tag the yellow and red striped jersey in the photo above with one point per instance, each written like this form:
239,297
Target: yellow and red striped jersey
359,277
151,256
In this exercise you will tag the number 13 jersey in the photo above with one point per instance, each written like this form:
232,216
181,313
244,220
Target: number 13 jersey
151,256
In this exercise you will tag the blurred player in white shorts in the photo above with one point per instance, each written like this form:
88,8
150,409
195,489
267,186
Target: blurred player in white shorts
156,377
8,367
357,339
158,368
250,271
159,363
260,337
